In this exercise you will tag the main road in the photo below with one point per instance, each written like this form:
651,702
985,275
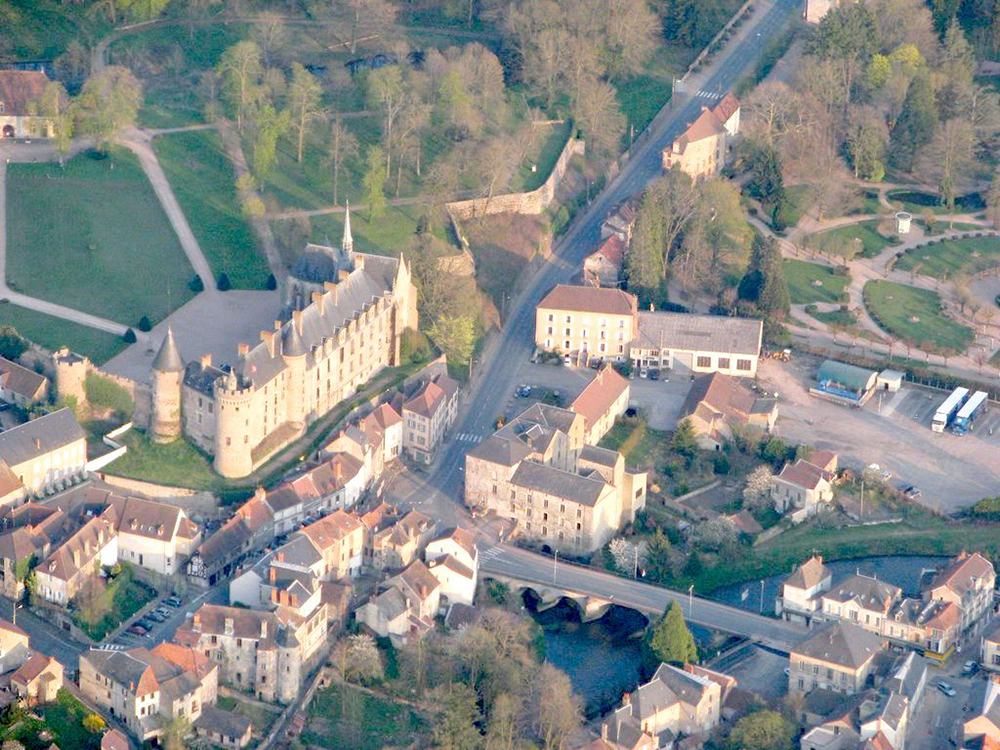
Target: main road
496,373
532,568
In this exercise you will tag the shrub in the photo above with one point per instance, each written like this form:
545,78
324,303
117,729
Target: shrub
842,271
223,283
272,283
106,393
12,345
414,346
811,309
145,325
196,285
129,336
720,463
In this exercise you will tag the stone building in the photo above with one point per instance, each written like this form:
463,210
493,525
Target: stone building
342,331
20,96
703,149
47,452
839,657
165,382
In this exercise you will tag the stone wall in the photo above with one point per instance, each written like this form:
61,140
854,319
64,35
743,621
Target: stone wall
532,202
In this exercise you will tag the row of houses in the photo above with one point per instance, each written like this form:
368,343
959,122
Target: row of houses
957,599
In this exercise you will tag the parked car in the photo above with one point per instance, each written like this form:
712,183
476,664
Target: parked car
970,667
654,374
643,372
947,689
138,630
156,617
567,360
595,364
911,493
172,601
144,623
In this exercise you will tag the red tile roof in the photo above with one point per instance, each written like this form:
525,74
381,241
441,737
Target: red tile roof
726,108
613,248
600,395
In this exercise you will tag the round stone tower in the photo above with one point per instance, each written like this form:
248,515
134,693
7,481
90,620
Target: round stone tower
71,374
293,351
233,456
165,386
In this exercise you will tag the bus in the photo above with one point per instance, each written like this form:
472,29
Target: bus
947,411
966,417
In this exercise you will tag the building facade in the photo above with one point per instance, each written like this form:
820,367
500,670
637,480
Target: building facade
703,149
839,657
21,93
427,416
47,452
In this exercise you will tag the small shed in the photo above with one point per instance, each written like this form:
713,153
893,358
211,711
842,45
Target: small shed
844,383
889,380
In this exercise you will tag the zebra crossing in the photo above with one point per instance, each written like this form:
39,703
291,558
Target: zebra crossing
710,95
468,437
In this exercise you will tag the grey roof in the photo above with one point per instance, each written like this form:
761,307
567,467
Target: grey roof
810,573
894,710
229,724
168,359
843,644
531,430
291,342
39,436
298,551
559,483
602,456
699,333
315,265
909,676
847,376
498,449
869,592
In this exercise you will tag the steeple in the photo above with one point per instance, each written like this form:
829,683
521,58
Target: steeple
347,243
168,359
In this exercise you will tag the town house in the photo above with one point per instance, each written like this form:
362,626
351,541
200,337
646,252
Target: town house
803,487
406,607
839,657
64,572
46,453
601,402
703,149
427,416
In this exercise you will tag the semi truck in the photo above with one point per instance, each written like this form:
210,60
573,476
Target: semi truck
966,417
946,411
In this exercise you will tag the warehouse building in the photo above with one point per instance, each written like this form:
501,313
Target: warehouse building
843,383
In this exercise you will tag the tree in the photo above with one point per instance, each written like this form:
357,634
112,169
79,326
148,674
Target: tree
94,723
762,730
456,727
597,112
223,284
364,663
757,490
501,731
948,159
915,125
669,640
372,16
556,709
766,182
992,207
129,336
343,146
109,103
269,32
627,555
631,32
304,95
241,74
73,65
55,105
658,566
373,182
384,90
175,732
12,346
866,140
684,440
270,126
456,337
764,281
92,602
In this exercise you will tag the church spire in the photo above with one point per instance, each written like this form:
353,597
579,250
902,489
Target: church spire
347,243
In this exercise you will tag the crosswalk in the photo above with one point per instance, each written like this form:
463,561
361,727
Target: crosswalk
468,437
710,95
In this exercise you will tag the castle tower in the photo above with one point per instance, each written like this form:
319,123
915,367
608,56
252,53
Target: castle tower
165,383
233,456
71,374
293,351
347,242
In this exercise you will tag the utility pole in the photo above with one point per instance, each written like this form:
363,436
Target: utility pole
690,600
635,567
862,496
761,596
555,560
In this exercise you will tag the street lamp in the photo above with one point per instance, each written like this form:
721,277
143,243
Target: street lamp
555,560
690,600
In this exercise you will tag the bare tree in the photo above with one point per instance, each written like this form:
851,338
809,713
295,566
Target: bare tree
947,159
270,34
304,96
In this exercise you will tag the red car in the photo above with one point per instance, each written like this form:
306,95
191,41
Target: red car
138,630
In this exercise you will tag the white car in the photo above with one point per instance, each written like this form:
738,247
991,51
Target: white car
643,372
947,689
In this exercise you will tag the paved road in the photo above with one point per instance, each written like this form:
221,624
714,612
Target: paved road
497,372
44,636
531,567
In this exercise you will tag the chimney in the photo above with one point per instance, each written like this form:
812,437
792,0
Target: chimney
206,361
196,622
273,575
268,338
229,626
242,349
359,262
338,470
342,275
281,558
263,628
317,298
626,699
38,443
260,493
295,600
297,320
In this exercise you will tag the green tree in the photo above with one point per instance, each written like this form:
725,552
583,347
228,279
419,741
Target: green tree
456,727
684,440
992,208
223,284
55,105
129,336
241,74
766,183
94,723
865,143
108,103
762,730
304,95
847,32
657,566
669,640
343,146
764,281
12,345
373,183
455,336
915,125
271,125
145,324
384,90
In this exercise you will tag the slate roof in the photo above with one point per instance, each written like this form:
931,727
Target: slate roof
88,541
168,358
847,376
600,394
19,87
298,551
22,381
699,333
808,574
146,518
8,480
40,436
558,483
961,573
843,644
870,593
229,724
590,299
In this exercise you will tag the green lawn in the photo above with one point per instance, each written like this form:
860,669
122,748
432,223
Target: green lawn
914,315
41,29
945,258
872,242
51,333
172,103
176,463
342,717
917,202
634,440
549,143
800,276
798,200
204,183
839,318
387,235
866,202
93,237
123,597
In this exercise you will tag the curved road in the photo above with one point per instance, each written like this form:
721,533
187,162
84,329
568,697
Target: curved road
495,377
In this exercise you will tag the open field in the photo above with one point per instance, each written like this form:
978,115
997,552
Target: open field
41,29
872,242
800,276
343,716
176,463
914,315
51,333
204,183
133,263
944,259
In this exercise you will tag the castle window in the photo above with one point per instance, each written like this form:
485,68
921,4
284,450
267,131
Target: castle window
210,407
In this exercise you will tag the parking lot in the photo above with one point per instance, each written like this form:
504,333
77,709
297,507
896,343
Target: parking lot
941,717
892,430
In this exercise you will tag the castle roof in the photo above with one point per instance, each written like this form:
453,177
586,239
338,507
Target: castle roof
291,342
168,359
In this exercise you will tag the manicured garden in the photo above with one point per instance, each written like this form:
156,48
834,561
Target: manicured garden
51,333
872,243
345,716
915,316
204,183
92,236
944,258
811,282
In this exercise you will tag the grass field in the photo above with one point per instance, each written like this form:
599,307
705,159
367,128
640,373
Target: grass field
838,318
633,439
51,333
204,183
918,202
549,143
116,256
41,29
914,315
867,231
170,106
800,276
176,463
946,258
388,235
343,716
